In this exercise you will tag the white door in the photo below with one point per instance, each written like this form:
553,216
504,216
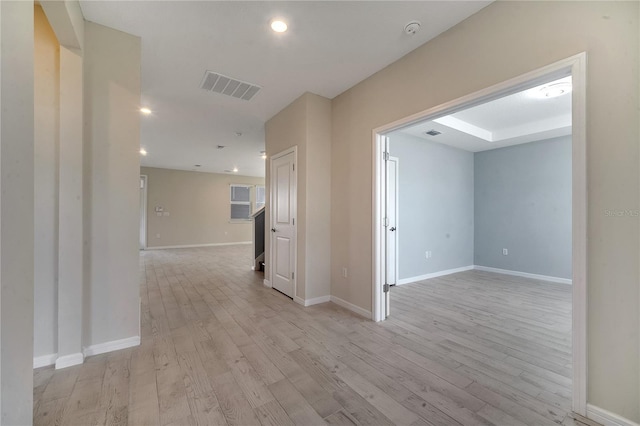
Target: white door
143,212
283,232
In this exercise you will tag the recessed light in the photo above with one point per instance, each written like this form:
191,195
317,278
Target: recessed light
145,110
278,26
143,151
235,170
220,147
263,154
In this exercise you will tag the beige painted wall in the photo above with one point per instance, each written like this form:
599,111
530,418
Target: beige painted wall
198,207
111,183
46,145
16,211
502,41
306,123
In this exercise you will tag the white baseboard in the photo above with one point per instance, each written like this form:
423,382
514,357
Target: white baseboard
350,306
69,360
267,283
607,418
317,300
434,275
198,245
523,274
298,300
114,345
44,360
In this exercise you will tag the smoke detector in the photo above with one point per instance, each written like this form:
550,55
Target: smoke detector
412,28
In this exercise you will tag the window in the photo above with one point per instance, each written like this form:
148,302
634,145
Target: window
240,202
260,195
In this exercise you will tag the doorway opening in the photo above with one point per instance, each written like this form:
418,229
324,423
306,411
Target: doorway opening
385,239
143,212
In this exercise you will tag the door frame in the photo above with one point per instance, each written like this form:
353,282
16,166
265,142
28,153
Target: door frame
294,150
397,213
576,66
143,213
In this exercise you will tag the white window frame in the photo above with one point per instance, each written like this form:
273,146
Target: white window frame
246,203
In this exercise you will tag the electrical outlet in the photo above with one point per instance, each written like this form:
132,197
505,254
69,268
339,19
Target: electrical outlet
344,272
505,252
427,254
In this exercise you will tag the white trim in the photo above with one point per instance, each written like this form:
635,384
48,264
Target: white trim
198,245
299,300
317,300
607,418
69,360
266,283
434,275
522,274
576,67
143,213
114,345
350,306
44,360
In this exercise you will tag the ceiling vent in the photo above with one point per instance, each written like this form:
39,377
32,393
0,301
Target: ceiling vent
433,132
224,85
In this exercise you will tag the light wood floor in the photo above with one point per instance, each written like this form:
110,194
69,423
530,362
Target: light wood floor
219,348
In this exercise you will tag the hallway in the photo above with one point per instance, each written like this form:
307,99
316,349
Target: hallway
219,348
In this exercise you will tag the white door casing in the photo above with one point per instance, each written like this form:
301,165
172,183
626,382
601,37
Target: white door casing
391,233
283,196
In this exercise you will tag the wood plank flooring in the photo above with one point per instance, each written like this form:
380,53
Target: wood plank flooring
218,348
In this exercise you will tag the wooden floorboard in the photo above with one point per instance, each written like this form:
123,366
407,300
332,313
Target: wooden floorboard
219,348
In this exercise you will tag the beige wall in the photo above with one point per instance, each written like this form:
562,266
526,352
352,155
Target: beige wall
502,41
306,123
16,211
198,207
111,183
46,145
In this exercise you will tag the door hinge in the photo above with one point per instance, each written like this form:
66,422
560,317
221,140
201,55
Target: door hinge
386,155
294,221
386,288
294,167
293,275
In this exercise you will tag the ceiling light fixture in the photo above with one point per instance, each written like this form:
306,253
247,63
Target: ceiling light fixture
552,90
143,151
412,28
278,26
235,170
145,110
263,154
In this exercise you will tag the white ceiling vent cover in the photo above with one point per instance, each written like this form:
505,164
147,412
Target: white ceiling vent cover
224,85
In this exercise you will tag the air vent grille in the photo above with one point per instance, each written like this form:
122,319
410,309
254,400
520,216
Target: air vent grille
433,132
224,85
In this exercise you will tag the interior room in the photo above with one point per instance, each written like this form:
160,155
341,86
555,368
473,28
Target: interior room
138,140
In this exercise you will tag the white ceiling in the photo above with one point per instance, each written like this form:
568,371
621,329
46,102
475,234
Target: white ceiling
329,47
511,120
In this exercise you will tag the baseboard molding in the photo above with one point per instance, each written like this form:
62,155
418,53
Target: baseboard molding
69,360
267,283
114,345
607,418
523,274
434,275
197,245
317,300
298,300
350,306
44,360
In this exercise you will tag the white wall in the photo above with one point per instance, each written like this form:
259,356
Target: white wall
16,212
502,41
306,123
111,192
435,198
198,204
46,145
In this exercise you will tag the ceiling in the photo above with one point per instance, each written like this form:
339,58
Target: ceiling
329,47
511,120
